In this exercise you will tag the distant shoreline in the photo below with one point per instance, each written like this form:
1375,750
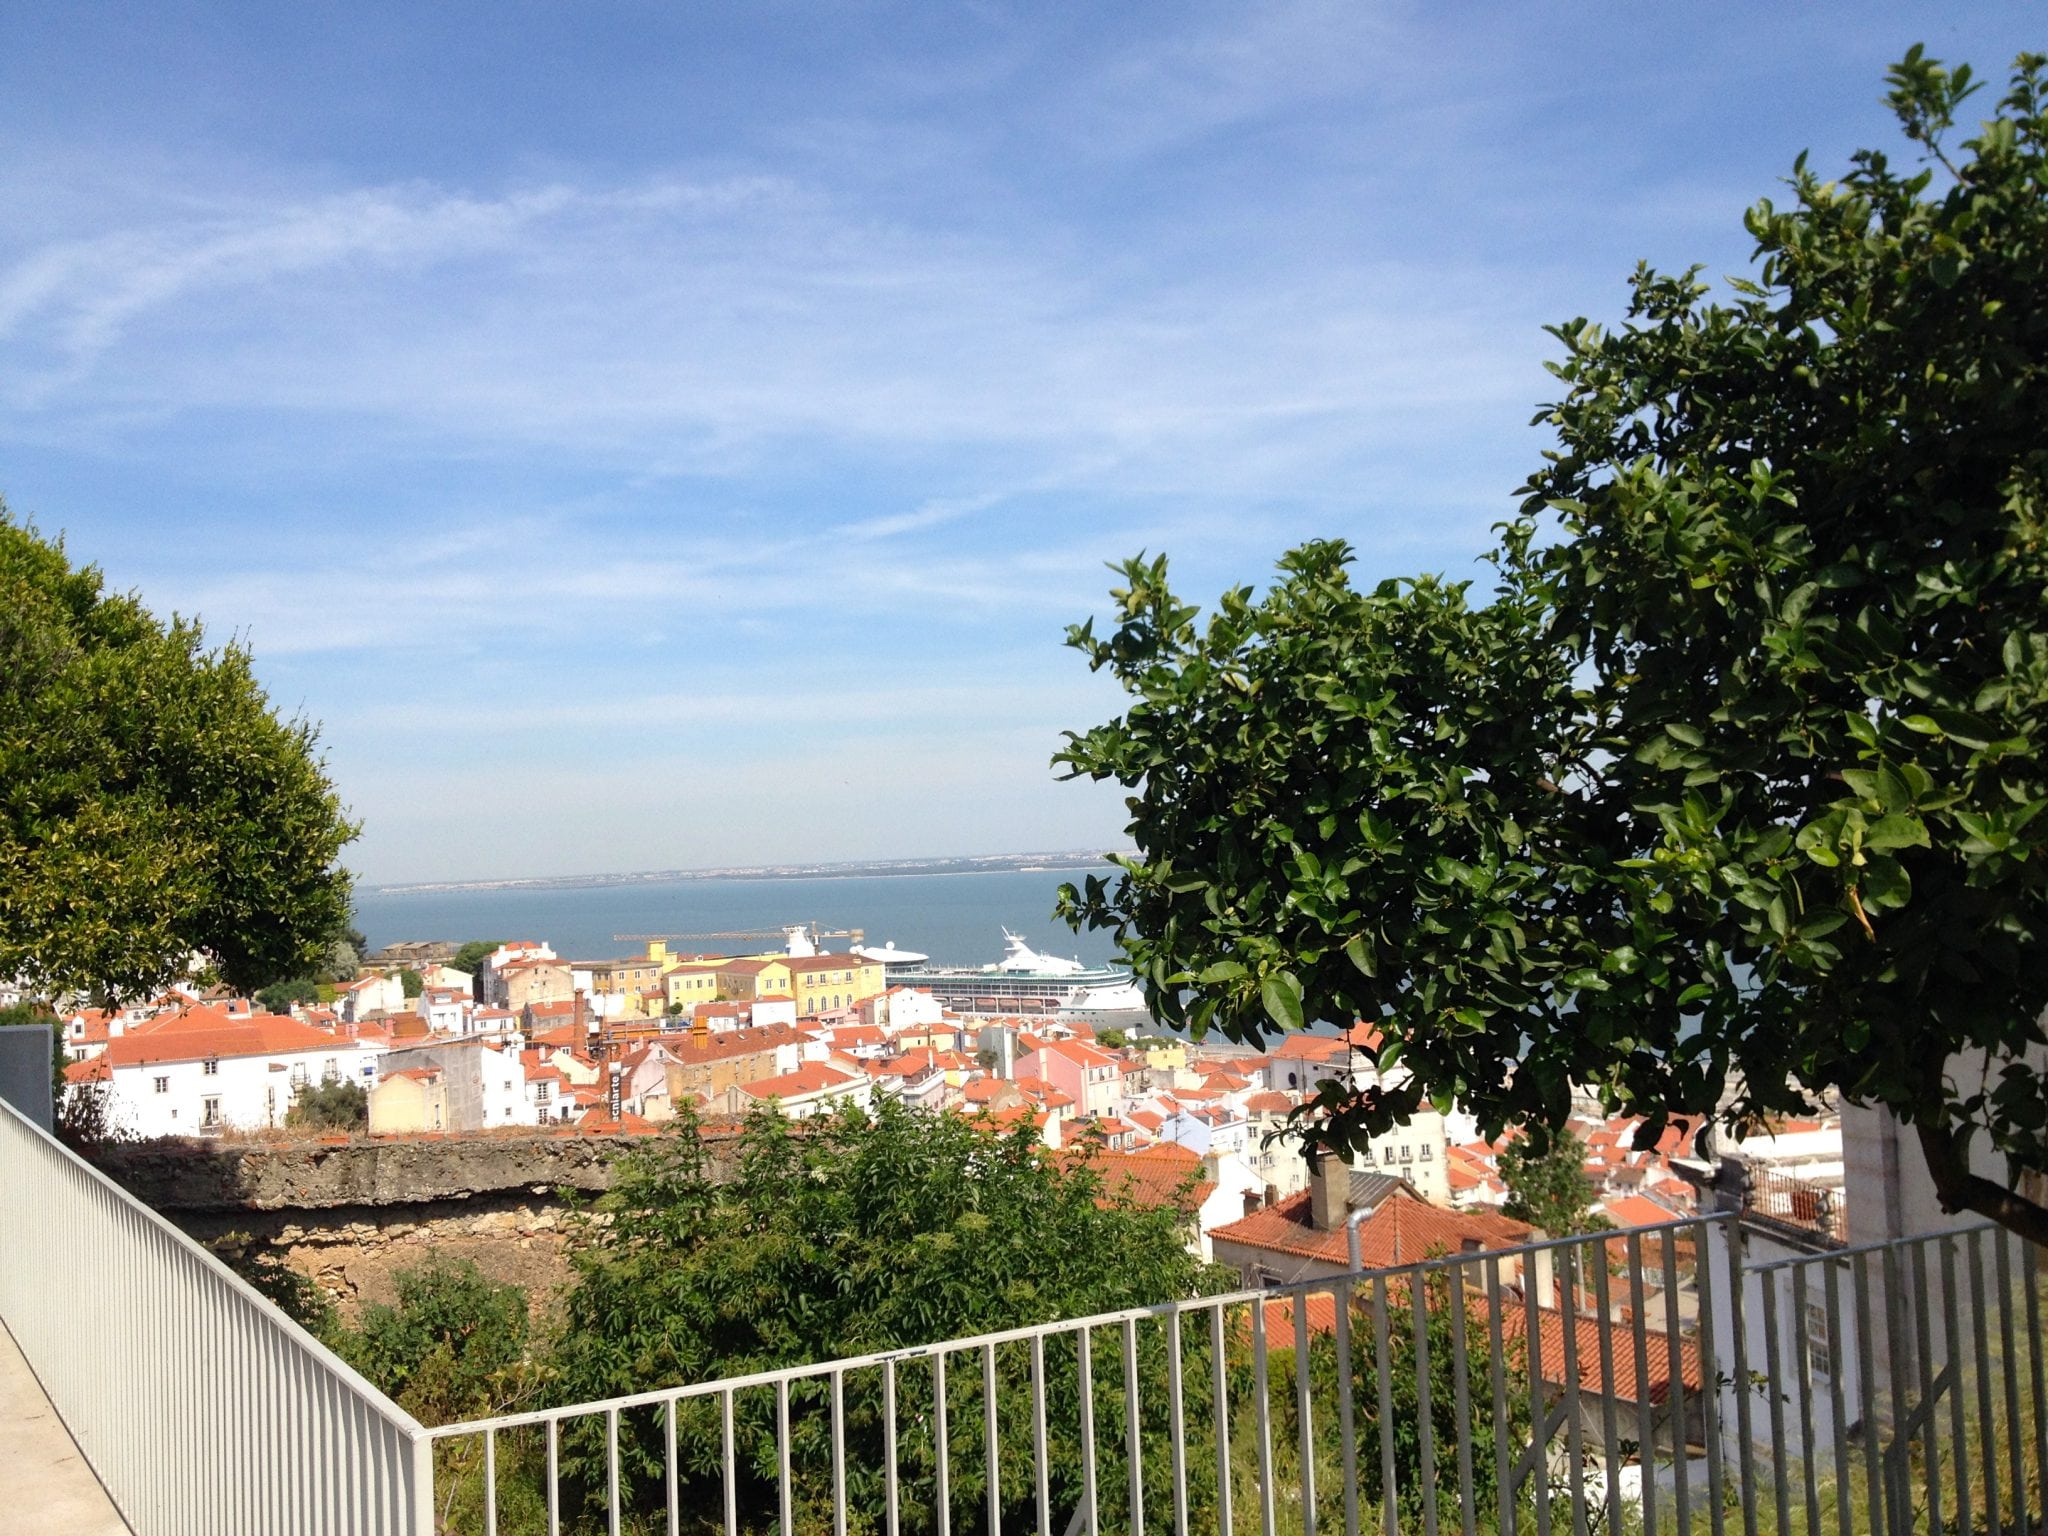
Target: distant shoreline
985,864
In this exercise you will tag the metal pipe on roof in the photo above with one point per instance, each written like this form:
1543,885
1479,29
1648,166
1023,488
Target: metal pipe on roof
1354,1249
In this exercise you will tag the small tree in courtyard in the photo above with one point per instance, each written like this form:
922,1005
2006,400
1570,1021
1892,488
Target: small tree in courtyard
329,1107
1548,1186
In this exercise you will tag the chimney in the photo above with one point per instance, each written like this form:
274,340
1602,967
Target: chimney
1329,1190
614,1096
1251,1201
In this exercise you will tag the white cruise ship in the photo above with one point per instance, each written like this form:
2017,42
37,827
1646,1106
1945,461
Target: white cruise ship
1026,982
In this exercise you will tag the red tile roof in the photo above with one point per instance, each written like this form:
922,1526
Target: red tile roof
1312,1048
1079,1052
1592,1378
811,1077
1404,1230
194,1034
1151,1177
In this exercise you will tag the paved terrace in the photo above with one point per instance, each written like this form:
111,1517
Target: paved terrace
50,1488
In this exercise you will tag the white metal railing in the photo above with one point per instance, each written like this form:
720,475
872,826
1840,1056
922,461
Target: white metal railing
1690,1378
1640,1382
201,1407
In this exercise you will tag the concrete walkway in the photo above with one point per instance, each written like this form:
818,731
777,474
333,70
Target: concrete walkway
46,1488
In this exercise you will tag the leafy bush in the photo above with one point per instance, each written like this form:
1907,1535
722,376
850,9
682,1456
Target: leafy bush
329,1107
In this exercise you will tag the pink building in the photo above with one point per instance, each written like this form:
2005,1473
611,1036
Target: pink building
1091,1077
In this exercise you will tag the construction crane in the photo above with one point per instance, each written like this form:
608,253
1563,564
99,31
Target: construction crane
854,935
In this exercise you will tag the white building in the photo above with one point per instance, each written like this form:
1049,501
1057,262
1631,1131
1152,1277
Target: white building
812,1089
447,1010
490,981
368,995
484,1086
202,1071
1418,1152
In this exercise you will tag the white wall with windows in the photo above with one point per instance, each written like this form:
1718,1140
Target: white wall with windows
1418,1152
219,1093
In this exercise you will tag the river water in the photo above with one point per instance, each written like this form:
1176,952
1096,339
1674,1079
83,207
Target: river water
957,919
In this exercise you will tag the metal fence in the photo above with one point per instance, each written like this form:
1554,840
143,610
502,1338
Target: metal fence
1629,1383
1701,1378
201,1407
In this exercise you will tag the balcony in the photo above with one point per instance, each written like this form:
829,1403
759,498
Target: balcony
1689,1378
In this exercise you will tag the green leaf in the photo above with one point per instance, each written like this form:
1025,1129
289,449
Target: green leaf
1220,971
1886,885
1897,832
1281,994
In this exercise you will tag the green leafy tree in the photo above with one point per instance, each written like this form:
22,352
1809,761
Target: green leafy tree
329,1107
1735,780
411,982
472,955
152,804
1111,1039
1548,1186
847,1236
453,1347
282,996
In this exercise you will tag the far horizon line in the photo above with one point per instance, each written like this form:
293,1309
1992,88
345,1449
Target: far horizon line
969,863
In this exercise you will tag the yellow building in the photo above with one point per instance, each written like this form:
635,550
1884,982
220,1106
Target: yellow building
751,979
818,983
415,1099
627,978
827,983
1165,1055
688,985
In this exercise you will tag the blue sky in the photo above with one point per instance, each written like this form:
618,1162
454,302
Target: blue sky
664,435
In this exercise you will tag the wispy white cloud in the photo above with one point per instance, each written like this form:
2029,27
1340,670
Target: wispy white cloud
682,327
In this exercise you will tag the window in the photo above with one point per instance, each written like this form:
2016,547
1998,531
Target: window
1407,1154
163,1085
1820,1351
1425,1152
330,1071
210,1112
212,1067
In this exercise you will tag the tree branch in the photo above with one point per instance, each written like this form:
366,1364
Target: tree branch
1958,1189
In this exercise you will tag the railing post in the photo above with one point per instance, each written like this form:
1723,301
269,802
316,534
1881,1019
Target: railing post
1738,1335
422,1503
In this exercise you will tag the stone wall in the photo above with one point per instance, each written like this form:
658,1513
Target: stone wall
351,1212
354,1253
196,1174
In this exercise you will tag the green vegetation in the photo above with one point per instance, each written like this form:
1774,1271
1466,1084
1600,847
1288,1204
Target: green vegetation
861,1235
1547,1184
1111,1039
473,954
411,981
1736,779
453,1347
281,996
329,1107
139,766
